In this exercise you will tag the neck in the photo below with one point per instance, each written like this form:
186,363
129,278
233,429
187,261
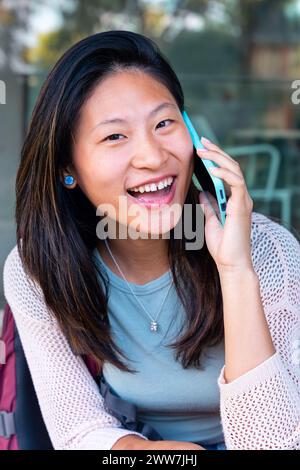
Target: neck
141,261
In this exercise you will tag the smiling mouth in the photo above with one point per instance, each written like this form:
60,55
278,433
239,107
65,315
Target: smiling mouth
152,195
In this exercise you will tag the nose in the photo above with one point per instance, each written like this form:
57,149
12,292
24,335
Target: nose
149,154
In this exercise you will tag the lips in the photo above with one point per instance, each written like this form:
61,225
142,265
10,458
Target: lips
155,198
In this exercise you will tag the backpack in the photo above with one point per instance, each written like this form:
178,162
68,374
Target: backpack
21,423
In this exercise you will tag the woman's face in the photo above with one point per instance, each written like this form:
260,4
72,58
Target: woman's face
141,144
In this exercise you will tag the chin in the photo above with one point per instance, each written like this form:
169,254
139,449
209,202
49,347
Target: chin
156,224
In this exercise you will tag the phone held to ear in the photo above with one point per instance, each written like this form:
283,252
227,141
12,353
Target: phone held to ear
202,179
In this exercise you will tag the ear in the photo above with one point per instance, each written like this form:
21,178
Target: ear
68,172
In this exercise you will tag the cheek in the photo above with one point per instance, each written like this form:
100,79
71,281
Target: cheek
100,179
185,150
186,155
183,147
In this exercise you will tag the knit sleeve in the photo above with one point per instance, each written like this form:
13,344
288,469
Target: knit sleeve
261,408
72,407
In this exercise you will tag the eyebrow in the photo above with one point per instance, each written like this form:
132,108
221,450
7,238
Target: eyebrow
154,111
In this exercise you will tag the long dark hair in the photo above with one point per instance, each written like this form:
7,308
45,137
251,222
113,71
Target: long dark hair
56,227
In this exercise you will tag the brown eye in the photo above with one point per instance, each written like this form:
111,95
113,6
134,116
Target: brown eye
112,135
171,120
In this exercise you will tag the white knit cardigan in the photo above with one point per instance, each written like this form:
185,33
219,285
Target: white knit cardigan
259,410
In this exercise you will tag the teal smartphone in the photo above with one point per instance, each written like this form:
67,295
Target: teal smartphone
202,179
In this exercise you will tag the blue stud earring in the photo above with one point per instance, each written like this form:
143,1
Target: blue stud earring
69,180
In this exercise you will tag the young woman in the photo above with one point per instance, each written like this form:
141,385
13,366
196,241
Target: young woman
205,343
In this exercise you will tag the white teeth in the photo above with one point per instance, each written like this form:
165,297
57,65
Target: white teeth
153,186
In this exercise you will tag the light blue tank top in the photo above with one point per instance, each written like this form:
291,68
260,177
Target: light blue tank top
181,404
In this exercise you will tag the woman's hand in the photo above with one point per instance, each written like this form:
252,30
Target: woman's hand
230,245
169,445
134,442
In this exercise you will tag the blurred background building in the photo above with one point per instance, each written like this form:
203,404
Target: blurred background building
238,62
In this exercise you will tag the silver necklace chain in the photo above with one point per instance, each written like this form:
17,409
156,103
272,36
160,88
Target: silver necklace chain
153,324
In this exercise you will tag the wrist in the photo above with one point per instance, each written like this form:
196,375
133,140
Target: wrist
235,282
237,272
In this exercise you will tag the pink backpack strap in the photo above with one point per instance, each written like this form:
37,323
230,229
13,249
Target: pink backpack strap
15,431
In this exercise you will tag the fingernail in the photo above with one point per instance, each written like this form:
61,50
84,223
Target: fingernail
202,149
204,139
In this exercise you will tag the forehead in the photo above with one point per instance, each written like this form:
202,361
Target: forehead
125,94
135,82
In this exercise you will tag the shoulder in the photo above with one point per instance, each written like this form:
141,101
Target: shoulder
22,293
13,272
276,259
266,232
